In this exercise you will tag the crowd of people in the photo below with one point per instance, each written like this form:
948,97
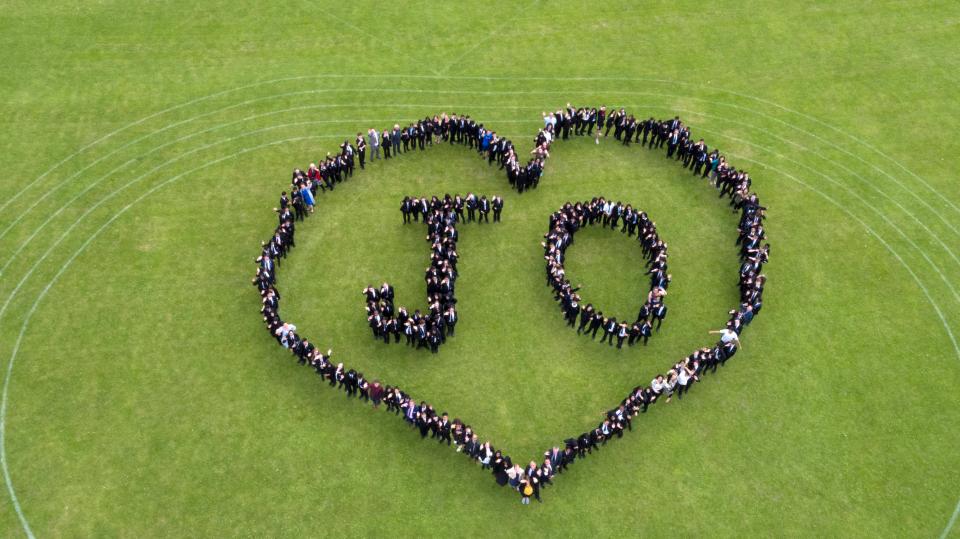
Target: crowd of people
754,254
452,129
527,480
564,223
430,329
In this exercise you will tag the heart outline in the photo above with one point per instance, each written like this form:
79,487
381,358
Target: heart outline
751,279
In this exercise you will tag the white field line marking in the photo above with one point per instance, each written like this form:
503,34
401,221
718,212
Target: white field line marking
3,407
479,92
204,115
167,127
946,326
123,166
484,78
91,209
951,522
680,83
840,184
133,124
33,308
958,507
694,113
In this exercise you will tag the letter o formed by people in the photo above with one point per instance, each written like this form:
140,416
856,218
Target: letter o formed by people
564,223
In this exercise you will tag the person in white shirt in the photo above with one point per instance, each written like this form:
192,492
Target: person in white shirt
728,335
657,386
374,144
685,376
670,384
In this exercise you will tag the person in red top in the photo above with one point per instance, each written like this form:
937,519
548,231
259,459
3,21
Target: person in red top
375,390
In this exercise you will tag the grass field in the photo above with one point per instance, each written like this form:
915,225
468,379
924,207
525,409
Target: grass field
144,145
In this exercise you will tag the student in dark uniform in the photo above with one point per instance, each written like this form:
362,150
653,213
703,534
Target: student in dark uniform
586,316
612,119
471,203
609,330
497,208
629,127
484,208
622,331
361,149
386,143
595,324
406,209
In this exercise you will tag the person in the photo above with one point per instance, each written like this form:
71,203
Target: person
375,391
406,209
497,208
613,118
586,316
386,143
645,331
554,456
685,377
374,144
395,139
669,384
485,456
609,328
444,428
622,333
514,476
500,467
361,149
450,319
471,203
727,335
307,196
484,208
526,490
407,135
629,126
595,323
534,476
657,387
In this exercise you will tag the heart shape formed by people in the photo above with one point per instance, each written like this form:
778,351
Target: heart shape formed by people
441,216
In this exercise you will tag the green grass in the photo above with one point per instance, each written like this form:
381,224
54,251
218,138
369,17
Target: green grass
146,399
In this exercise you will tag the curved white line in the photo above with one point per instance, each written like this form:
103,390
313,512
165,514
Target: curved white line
3,406
396,90
33,308
91,209
843,186
953,518
123,166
